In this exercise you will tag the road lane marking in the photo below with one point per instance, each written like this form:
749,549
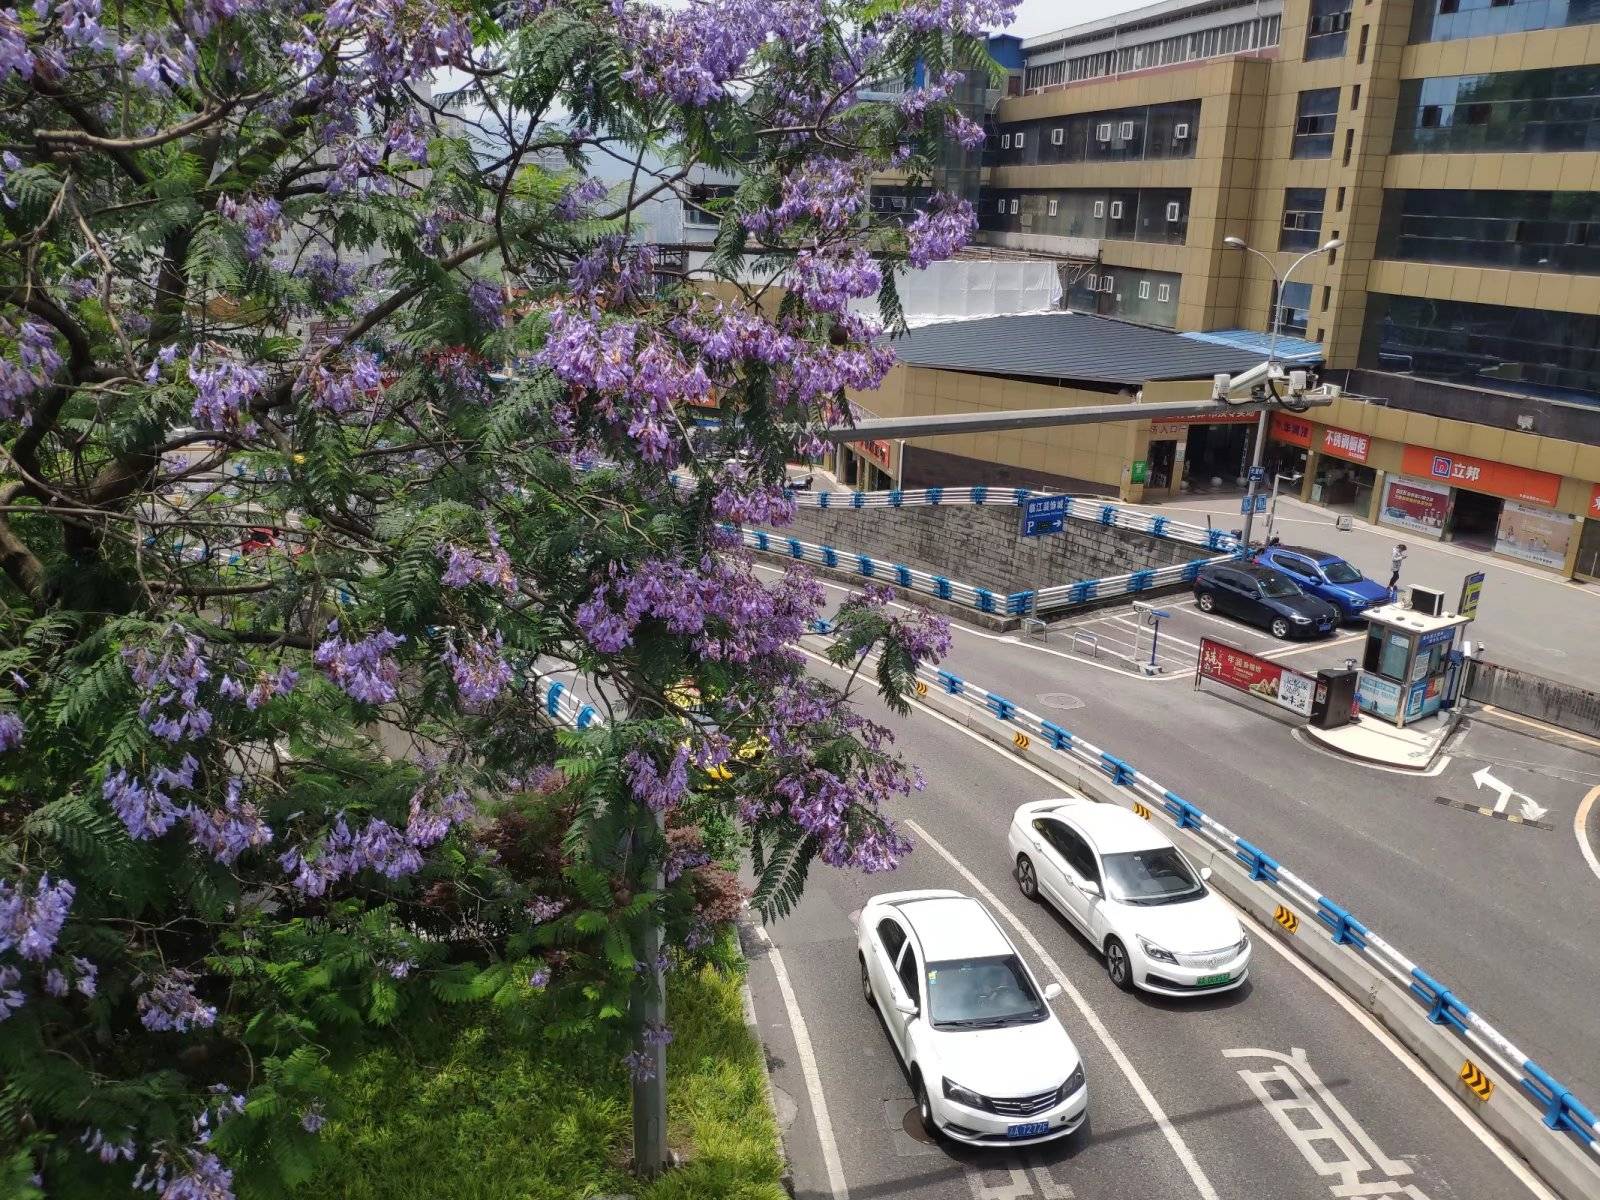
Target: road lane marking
1020,1178
1153,1106
1328,645
1580,827
1551,730
1382,1036
808,1068
1304,1115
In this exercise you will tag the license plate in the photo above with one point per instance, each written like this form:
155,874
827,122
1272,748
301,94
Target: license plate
1213,980
1031,1129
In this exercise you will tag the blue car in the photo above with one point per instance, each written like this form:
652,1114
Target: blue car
1326,576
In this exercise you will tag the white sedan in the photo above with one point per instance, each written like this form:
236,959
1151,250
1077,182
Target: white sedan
990,1064
1133,894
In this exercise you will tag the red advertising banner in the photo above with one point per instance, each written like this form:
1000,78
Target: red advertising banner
1481,475
1260,677
1294,430
1345,444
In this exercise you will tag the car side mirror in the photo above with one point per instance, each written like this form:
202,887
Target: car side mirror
1205,872
1091,888
905,1006
1052,991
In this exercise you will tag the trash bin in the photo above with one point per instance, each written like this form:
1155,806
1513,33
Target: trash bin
1333,703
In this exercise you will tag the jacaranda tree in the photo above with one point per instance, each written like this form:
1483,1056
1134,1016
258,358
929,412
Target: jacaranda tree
332,422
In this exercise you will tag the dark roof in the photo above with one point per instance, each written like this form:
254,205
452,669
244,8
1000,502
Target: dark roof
1307,552
1068,346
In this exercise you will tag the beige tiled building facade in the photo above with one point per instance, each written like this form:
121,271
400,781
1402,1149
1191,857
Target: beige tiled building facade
1454,147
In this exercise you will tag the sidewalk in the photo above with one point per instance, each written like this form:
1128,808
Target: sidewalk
1529,618
1371,740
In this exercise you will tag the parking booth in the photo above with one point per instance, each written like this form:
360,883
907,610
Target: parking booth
1411,667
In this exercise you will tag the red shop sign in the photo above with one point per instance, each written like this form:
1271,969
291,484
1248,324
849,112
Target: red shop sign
1260,677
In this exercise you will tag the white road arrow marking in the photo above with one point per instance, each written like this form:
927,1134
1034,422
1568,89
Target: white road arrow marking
1530,811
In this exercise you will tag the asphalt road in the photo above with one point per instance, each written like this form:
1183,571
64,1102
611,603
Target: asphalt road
1172,1112
1499,912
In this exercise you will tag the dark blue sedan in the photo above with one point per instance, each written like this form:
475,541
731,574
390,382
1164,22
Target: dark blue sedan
1328,577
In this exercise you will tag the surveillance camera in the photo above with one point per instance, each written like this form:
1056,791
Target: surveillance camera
1221,385
1297,381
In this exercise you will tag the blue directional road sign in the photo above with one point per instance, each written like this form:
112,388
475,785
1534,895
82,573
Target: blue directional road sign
1261,503
1044,514
1257,474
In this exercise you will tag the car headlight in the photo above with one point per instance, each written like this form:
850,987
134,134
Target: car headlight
1073,1083
1299,620
961,1095
1156,952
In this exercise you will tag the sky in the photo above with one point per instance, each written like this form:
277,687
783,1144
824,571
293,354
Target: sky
1046,16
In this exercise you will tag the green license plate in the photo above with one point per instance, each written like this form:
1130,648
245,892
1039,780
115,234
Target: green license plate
1213,980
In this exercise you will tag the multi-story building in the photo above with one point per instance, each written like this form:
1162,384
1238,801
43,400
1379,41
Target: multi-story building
1452,145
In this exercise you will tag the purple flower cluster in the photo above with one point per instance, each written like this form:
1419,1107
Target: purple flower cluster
971,17
14,53
312,1120
682,859
825,192
656,1035
228,832
539,979
171,674
939,230
463,567
347,383
58,984
10,998
363,669
829,280
146,808
379,847
31,925
427,826
170,1005
487,301
200,1177
328,279
223,392
541,909
576,199
107,1149
259,220
160,63
267,685
11,730
654,787
38,360
479,669
640,1065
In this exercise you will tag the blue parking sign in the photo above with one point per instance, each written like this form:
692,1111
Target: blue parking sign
1044,514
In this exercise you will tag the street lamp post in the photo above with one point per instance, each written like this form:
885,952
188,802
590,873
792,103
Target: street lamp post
1272,356
1272,505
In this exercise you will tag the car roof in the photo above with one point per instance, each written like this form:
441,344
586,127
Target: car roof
1320,556
950,927
1245,567
1115,830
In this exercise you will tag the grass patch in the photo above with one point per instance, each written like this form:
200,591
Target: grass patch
472,1113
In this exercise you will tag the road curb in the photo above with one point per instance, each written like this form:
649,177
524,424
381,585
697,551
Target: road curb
1319,736
741,928
1556,1159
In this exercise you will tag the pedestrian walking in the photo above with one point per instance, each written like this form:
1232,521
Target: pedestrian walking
1396,560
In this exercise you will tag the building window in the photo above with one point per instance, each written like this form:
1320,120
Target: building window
1158,215
1057,136
1242,37
1000,205
1447,20
1291,310
1164,293
1145,296
1144,289
1013,208
1315,118
1525,112
1020,136
1302,219
1327,29
1174,210
1099,208
1053,204
1531,351
1180,131
1005,141
1107,282
1116,209
1526,231
1102,131
1126,130
1094,283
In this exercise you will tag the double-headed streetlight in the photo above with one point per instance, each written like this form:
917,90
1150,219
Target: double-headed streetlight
1282,282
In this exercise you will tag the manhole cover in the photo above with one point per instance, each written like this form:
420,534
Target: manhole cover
1060,700
912,1124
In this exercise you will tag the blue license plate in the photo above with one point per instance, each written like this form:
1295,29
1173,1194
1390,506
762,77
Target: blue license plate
1031,1129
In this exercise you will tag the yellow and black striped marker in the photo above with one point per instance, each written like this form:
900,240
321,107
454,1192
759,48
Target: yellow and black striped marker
1019,740
922,688
1141,810
1477,1082
1286,918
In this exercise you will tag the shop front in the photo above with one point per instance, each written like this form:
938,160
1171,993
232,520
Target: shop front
1337,459
1487,505
1588,563
1203,453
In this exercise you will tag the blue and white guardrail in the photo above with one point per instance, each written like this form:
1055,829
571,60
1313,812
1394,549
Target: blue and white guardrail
969,595
1561,1111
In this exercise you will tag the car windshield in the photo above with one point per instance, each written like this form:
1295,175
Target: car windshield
1156,876
982,993
1279,587
1339,571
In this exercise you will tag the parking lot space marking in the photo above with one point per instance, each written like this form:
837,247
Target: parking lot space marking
1180,1147
1021,1181
1330,1140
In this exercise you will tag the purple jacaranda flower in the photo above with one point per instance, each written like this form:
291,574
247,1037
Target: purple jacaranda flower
640,1065
487,302
657,788
479,669
204,1178
939,230
11,730
31,924
259,220
312,1120
542,908
363,669
87,976
427,824
10,998
108,1148
171,1005
228,832
223,392
656,1035
464,567
539,979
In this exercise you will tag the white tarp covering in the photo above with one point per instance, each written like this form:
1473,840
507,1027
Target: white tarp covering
958,289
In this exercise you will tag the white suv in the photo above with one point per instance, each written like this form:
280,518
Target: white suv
1133,893
989,1062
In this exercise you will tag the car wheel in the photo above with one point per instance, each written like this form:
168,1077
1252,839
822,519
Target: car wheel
924,1106
1280,627
1206,601
1027,878
866,985
1118,966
